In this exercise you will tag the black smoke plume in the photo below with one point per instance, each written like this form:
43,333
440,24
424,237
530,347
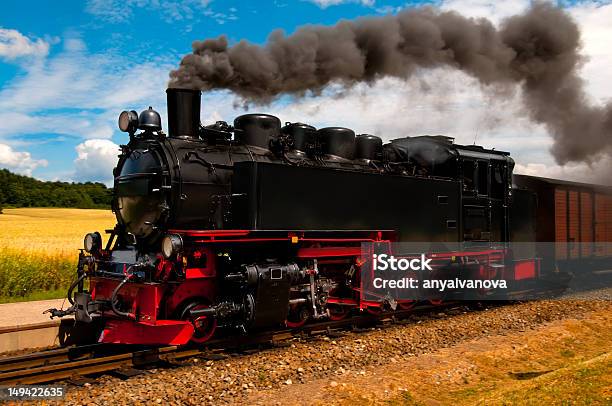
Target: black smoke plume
538,50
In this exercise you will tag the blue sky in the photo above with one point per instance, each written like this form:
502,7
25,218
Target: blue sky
67,69
128,34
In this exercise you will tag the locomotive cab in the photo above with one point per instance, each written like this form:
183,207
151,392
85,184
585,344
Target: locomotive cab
486,178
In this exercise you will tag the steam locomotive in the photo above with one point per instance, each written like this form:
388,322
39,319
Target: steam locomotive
259,224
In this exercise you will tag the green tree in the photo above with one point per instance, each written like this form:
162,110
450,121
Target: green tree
23,191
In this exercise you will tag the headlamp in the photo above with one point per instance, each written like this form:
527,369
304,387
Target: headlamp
92,242
128,121
172,244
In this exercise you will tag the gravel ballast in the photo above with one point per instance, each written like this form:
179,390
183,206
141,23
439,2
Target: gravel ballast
235,378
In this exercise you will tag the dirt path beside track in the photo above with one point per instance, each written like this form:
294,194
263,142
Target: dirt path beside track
565,361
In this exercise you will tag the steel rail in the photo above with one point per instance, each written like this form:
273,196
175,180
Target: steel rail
66,363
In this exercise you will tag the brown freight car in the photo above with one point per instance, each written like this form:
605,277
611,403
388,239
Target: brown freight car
576,217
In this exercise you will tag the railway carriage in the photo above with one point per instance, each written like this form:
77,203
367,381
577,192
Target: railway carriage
577,217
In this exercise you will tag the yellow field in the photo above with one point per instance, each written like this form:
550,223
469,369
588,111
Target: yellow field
51,230
39,248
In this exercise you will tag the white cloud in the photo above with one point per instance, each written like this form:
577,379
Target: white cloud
121,11
595,22
597,172
388,9
18,161
221,18
15,45
494,11
327,3
113,11
76,79
437,101
95,161
81,125
80,94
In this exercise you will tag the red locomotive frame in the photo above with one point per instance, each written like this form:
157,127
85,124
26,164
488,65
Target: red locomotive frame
148,300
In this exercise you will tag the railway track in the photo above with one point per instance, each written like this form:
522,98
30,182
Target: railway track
79,361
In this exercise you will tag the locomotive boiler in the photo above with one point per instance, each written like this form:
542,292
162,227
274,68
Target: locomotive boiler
260,224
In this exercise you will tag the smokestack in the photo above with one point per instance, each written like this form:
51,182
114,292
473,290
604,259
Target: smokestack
183,112
538,51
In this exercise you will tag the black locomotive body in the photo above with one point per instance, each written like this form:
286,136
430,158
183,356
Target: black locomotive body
215,179
257,224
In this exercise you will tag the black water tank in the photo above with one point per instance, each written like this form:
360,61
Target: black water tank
368,147
302,136
258,130
183,112
437,155
338,141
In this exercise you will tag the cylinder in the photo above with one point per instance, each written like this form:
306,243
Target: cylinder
368,147
303,136
183,112
258,130
337,141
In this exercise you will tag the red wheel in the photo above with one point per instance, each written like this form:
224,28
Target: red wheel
204,326
297,316
374,310
407,305
295,324
338,312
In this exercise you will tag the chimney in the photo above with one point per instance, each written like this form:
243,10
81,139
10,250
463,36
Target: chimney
183,112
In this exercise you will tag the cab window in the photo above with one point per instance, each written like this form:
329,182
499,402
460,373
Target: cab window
498,180
483,178
469,172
